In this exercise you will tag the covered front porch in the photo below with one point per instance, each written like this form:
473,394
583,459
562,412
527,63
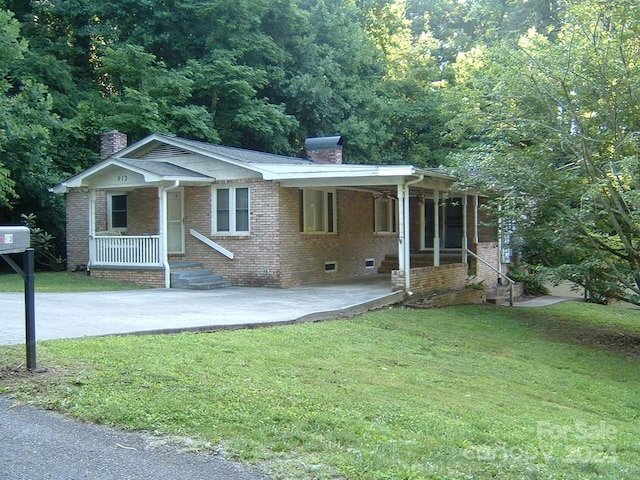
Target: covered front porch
433,225
134,219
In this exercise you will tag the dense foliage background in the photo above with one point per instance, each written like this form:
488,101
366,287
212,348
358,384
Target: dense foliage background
538,98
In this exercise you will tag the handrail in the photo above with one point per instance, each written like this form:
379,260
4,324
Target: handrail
207,241
501,275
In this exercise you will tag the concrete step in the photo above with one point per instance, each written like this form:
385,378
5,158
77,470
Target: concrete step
499,294
197,279
209,285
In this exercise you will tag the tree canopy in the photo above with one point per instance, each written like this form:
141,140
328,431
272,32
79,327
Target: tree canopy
555,122
538,99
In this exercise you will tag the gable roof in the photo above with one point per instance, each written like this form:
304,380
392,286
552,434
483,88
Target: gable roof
161,158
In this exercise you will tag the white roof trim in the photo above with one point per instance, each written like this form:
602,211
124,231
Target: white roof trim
149,177
287,174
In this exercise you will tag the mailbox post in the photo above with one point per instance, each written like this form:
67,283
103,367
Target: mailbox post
18,240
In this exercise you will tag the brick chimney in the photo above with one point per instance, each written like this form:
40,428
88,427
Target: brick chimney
112,142
324,149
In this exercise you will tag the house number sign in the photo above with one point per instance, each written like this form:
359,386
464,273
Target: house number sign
122,178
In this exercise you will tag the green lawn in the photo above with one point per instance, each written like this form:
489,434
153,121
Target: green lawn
63,282
457,393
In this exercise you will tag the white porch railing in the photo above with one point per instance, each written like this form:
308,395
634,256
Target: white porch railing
126,251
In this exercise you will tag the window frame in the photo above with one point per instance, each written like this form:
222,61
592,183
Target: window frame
329,211
110,211
233,210
391,206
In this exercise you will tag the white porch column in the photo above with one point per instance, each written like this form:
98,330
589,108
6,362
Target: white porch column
421,205
92,226
500,228
465,242
436,228
402,228
162,230
476,206
407,239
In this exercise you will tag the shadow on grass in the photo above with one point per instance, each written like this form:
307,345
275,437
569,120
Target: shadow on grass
558,324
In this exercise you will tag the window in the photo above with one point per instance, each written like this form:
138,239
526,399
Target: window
117,207
385,214
317,211
231,210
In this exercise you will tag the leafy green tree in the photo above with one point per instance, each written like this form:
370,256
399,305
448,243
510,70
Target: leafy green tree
139,95
557,124
25,125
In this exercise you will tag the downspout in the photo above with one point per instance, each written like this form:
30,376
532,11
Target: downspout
407,235
162,193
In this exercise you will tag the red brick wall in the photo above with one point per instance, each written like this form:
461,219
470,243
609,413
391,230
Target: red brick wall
432,279
304,255
142,212
77,229
333,155
146,277
256,255
490,253
276,253
112,142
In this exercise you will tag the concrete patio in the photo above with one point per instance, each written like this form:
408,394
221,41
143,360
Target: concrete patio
73,315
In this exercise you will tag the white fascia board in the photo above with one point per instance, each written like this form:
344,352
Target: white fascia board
76,180
343,182
149,177
328,172
432,174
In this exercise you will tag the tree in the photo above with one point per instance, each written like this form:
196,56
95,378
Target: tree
25,125
556,124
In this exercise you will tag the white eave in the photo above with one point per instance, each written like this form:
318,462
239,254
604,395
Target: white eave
289,171
150,178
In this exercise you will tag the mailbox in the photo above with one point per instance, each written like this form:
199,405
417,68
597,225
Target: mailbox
14,239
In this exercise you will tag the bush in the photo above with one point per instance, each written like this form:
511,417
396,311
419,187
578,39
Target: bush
43,246
532,281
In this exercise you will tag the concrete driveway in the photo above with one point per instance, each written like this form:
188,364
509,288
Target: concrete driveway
72,315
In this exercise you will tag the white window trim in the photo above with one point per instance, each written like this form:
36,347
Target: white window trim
232,210
392,207
110,226
325,197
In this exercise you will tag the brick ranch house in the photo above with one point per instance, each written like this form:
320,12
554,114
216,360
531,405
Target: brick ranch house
164,203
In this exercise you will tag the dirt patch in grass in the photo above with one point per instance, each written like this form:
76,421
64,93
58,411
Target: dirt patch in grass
617,342
604,338
37,380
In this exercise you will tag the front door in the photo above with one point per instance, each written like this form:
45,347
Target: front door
175,222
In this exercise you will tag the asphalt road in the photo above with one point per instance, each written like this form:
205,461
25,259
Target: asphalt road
41,445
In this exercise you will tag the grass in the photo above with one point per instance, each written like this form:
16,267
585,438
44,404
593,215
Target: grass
63,282
458,393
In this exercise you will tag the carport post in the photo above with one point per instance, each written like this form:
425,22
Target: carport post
29,307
